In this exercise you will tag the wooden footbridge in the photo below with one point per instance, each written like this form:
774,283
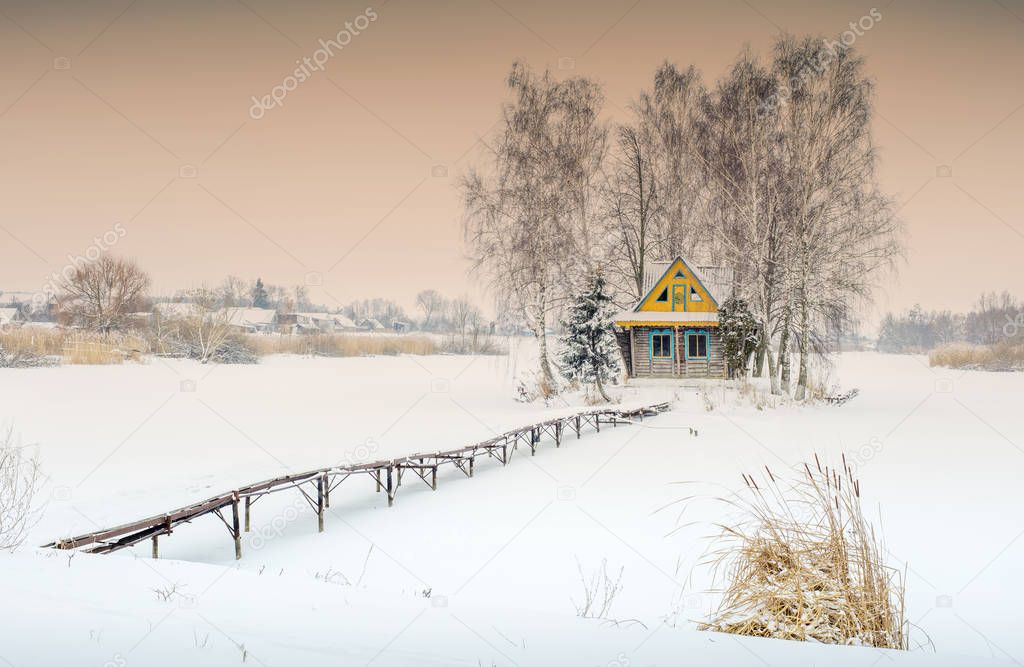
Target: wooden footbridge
316,485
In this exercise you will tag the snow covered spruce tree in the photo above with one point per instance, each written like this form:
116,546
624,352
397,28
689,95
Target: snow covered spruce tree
260,297
590,354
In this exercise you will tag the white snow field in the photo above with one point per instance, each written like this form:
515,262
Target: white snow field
484,571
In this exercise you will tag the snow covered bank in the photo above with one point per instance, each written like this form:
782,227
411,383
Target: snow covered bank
111,611
936,450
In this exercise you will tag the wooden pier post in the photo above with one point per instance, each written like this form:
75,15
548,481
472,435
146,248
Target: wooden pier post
577,427
472,459
248,502
327,491
320,504
433,478
558,434
156,549
236,532
390,488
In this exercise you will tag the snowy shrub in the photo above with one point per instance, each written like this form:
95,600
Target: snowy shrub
599,591
20,479
24,359
531,386
474,343
749,393
206,336
803,563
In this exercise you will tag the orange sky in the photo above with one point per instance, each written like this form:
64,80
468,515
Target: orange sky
138,114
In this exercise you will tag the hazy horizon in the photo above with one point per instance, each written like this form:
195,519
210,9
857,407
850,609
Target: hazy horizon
139,114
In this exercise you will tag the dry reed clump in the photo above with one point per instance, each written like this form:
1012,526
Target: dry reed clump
805,564
1003,356
340,345
71,346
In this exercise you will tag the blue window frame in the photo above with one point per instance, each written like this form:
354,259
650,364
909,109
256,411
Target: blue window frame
661,344
696,345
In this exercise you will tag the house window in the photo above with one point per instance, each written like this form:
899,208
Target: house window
663,296
696,346
680,274
694,294
661,345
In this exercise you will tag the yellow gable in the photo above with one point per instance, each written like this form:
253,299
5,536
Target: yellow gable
678,290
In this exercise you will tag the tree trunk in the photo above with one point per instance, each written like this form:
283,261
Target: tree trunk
785,359
759,355
547,375
772,374
801,383
600,390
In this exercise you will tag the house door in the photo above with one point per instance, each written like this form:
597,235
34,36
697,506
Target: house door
679,296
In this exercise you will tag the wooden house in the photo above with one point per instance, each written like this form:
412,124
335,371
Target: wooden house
11,317
673,330
250,320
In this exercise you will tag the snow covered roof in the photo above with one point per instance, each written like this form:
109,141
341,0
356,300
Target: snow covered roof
8,315
170,310
251,317
718,280
680,317
344,322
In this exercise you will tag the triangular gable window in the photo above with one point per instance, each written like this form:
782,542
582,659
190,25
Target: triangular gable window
679,274
694,295
663,296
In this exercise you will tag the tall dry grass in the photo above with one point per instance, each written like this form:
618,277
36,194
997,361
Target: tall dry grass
340,345
803,563
73,346
1004,356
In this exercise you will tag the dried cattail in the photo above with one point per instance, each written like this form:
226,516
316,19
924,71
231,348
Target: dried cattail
808,566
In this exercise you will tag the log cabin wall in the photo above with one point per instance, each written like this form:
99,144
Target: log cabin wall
640,363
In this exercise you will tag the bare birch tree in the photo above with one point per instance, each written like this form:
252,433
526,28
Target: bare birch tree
653,191
736,147
526,212
667,116
842,227
632,212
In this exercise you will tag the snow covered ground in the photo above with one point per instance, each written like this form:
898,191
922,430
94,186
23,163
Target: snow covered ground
483,570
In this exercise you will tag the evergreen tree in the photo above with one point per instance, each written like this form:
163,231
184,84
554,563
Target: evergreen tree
590,353
260,298
740,334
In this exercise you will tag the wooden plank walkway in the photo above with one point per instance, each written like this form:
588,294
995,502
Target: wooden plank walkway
316,485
